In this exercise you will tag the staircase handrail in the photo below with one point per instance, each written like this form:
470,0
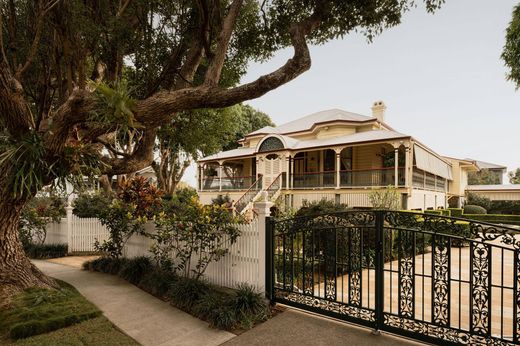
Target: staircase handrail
253,187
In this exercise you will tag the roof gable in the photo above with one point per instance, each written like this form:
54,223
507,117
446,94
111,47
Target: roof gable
310,121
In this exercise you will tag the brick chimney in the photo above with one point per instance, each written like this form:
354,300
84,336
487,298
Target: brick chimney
378,110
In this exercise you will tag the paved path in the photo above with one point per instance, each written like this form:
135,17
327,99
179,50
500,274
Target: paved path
148,320
296,328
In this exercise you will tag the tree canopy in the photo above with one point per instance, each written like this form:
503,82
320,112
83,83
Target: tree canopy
511,52
484,177
514,176
78,75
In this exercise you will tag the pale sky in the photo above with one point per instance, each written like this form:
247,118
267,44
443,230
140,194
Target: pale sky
440,76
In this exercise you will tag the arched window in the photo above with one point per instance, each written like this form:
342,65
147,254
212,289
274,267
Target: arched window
271,144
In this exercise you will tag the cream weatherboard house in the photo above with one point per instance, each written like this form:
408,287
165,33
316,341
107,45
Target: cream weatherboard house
334,155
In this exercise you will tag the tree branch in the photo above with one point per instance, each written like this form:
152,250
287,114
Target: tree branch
156,109
2,48
217,62
111,148
14,110
139,159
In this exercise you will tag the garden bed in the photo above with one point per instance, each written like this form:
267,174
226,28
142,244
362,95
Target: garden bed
234,310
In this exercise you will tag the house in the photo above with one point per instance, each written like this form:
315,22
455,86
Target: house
460,169
336,155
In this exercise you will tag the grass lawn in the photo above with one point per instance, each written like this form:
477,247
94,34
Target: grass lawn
96,331
56,317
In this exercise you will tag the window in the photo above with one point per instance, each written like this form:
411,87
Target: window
271,144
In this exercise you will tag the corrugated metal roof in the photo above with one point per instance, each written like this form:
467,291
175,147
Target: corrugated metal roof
358,137
507,187
293,144
488,165
238,152
307,122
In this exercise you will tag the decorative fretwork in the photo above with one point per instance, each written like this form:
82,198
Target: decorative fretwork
355,267
480,299
271,144
517,296
406,275
327,305
436,270
441,282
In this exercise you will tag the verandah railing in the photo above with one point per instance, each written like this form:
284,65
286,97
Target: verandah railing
349,178
214,183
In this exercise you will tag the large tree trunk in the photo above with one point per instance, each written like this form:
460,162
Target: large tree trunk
16,271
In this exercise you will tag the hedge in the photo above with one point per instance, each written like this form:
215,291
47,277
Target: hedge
455,212
474,209
44,251
495,218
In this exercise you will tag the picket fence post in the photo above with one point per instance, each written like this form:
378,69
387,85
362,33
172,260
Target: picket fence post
69,209
263,209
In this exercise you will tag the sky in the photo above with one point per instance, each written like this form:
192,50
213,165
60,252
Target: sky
440,76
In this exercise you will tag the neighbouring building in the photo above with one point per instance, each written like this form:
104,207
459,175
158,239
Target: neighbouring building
510,192
487,172
335,155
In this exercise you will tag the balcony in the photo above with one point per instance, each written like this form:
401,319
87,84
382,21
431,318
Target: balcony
228,183
349,178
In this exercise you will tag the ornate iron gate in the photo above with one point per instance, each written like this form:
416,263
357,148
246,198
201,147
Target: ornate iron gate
430,277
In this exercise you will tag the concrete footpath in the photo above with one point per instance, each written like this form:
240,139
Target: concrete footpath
148,320
297,328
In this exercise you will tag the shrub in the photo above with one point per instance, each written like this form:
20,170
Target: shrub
455,212
158,282
142,194
177,202
195,238
44,251
474,209
36,215
186,292
105,265
138,201
248,301
387,198
323,206
217,309
133,270
474,199
91,205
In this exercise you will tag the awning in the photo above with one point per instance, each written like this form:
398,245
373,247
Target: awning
431,163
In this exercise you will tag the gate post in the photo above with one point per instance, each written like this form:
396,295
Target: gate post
379,267
263,210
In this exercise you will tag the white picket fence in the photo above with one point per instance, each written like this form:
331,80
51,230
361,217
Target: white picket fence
243,264
57,232
84,232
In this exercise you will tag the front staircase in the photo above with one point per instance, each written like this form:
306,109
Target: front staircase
245,202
